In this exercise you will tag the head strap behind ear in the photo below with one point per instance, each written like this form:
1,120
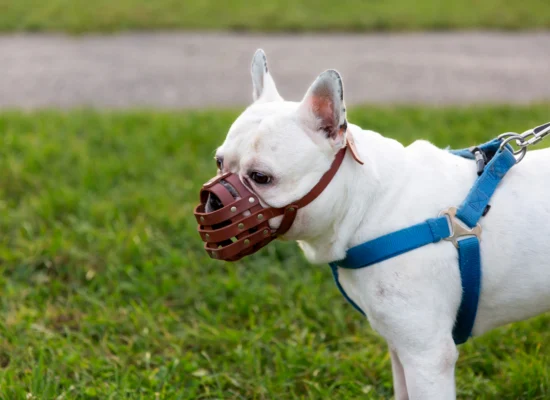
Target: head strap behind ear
353,149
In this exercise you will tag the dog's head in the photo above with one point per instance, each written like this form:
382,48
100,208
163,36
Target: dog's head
280,149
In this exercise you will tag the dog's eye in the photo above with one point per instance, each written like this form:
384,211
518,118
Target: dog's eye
219,163
259,178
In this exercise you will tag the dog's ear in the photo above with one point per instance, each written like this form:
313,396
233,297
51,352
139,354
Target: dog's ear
323,108
264,89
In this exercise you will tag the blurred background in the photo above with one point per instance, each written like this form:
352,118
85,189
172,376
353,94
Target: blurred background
110,112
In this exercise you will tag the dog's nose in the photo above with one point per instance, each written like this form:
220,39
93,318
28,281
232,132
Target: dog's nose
213,203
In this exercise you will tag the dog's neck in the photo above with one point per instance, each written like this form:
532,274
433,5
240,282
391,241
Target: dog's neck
396,187
358,197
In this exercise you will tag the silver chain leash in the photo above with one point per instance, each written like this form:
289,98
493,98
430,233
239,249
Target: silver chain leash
524,140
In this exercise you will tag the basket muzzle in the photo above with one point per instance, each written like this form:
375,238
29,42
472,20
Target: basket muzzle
241,225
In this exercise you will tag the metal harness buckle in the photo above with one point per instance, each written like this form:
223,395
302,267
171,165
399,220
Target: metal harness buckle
458,229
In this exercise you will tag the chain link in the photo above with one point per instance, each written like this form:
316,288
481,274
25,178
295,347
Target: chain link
524,140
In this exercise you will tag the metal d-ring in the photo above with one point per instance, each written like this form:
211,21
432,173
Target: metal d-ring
508,137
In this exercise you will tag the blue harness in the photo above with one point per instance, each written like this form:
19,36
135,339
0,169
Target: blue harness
464,234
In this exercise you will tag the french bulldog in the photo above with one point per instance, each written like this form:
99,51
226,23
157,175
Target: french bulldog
280,150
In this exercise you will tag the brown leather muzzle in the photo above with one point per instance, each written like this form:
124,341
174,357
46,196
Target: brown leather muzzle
241,226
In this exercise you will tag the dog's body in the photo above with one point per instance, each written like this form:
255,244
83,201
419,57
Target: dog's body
412,299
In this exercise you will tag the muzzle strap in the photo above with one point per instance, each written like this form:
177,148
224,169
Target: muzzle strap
288,218
290,211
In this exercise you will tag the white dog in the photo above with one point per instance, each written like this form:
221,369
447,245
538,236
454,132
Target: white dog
281,149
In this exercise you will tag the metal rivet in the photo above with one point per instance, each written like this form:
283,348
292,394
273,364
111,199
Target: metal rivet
233,209
240,226
260,216
251,200
266,232
246,242
202,219
291,209
207,236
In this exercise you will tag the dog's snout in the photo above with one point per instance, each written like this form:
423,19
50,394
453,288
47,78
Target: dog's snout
213,203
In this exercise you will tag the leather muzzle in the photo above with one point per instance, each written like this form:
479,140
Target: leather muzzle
241,226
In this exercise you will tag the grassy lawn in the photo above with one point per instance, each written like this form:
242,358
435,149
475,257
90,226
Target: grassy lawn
273,15
107,293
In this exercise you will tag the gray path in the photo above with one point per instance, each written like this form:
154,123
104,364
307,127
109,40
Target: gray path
186,70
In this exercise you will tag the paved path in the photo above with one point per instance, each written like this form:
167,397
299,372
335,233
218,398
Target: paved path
187,70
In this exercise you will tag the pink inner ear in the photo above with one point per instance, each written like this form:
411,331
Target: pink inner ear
323,109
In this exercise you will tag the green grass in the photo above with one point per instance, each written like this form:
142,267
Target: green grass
107,293
273,15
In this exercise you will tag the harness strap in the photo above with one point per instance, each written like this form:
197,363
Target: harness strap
334,268
434,230
469,261
471,210
396,243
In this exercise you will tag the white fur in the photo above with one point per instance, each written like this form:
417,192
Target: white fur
411,300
